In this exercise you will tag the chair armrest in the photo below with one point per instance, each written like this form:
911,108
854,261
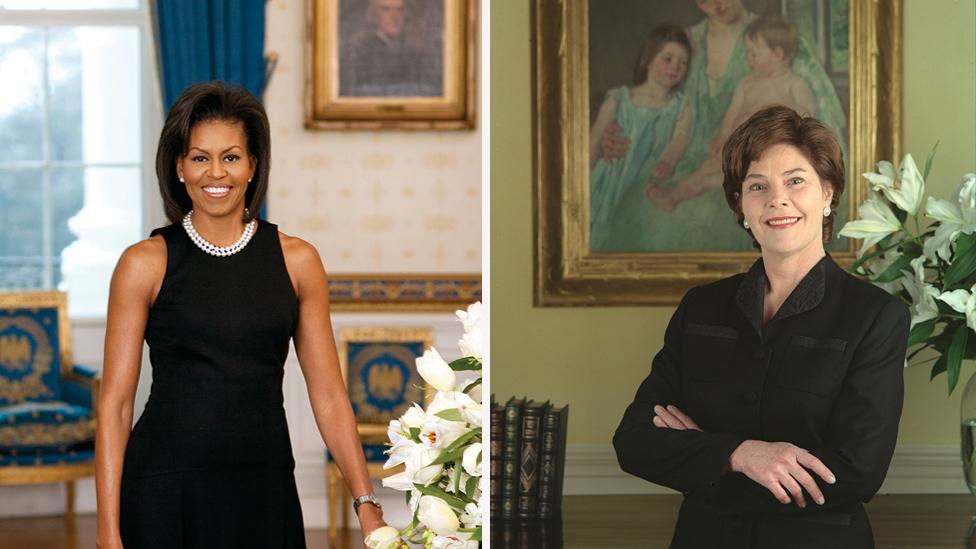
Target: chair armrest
81,387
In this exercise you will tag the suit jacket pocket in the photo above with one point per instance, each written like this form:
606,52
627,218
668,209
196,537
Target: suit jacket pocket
707,350
813,365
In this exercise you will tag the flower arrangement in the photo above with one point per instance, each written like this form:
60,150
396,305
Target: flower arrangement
441,448
932,268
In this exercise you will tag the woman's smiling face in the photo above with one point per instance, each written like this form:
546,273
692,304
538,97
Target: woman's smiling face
217,167
783,199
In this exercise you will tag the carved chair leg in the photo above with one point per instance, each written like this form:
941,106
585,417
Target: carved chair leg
332,488
69,499
346,497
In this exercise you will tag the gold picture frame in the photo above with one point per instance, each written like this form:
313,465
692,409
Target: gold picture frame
349,72
566,273
377,341
415,292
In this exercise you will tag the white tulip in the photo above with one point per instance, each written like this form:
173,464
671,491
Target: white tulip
471,460
385,537
435,370
876,222
419,468
437,515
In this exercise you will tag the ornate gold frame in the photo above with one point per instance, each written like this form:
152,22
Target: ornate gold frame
403,292
564,273
376,334
326,109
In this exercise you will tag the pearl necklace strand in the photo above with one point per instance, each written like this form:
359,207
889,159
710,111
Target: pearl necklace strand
212,249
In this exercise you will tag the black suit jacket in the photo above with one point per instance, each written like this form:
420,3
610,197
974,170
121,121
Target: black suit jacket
825,373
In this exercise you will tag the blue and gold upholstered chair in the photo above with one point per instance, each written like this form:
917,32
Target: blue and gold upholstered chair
47,403
380,371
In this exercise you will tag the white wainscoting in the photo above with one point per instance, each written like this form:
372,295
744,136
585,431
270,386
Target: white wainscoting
915,469
309,450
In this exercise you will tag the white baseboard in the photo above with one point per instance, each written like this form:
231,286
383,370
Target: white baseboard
592,469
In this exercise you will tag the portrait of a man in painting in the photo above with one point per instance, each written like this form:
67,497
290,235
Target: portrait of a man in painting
391,48
669,83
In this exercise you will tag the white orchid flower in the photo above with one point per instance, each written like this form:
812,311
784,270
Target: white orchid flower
963,301
471,517
954,218
923,294
903,187
876,221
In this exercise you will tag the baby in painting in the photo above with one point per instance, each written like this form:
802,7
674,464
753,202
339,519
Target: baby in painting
770,43
652,114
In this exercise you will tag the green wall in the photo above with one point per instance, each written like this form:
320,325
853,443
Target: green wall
594,358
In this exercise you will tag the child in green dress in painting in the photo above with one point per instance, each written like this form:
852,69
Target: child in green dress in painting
770,43
653,115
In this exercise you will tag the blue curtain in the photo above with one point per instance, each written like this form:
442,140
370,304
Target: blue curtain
202,40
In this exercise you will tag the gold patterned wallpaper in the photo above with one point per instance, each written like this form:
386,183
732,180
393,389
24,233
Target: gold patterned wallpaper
370,201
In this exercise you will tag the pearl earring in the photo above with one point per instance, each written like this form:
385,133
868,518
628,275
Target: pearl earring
181,179
826,211
745,224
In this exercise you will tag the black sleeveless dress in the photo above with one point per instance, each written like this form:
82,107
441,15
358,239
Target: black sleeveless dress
209,464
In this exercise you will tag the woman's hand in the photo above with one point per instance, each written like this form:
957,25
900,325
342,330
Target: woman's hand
370,518
612,144
782,468
670,417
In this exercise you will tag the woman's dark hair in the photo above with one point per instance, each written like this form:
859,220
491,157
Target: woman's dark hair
205,102
653,45
781,125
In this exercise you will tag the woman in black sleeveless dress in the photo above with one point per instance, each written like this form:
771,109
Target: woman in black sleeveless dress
217,296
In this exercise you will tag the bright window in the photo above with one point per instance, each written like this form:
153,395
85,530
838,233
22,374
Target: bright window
71,145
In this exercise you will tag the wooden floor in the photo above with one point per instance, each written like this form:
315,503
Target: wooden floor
596,522
58,533
646,522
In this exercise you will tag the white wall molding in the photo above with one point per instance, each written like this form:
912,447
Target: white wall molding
915,469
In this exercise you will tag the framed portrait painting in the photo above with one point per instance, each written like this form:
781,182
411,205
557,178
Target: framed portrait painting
390,63
633,103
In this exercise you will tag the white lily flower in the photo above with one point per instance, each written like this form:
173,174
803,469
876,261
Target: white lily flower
413,418
440,433
471,318
875,222
879,265
471,344
923,294
904,188
954,218
452,542
469,409
963,302
400,481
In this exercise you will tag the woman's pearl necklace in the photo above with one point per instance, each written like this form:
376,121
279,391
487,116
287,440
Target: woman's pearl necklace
219,251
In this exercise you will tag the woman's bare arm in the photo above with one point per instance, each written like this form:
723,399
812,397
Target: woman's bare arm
135,283
316,349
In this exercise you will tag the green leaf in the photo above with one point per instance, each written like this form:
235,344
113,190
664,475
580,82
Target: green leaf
447,456
452,414
911,248
928,161
472,385
451,499
868,257
894,271
938,367
476,536
470,486
457,475
415,434
461,440
954,356
466,363
900,214
921,331
963,261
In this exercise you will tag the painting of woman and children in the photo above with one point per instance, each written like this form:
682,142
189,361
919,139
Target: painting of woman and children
669,81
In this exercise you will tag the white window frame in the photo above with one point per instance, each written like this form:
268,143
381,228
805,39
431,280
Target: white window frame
150,92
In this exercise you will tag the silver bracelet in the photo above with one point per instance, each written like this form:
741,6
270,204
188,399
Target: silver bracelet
368,498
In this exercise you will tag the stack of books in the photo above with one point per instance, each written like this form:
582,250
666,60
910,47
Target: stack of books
528,459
